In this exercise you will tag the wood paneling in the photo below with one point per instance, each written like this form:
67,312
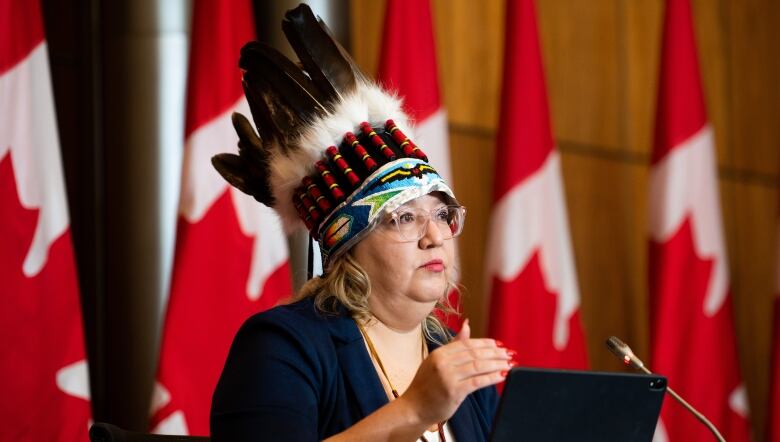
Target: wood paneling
473,181
712,36
366,22
601,61
642,26
754,98
750,220
580,49
470,59
607,199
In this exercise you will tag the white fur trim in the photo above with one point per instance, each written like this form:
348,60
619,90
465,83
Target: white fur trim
367,103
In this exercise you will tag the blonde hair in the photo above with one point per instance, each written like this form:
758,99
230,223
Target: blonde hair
349,285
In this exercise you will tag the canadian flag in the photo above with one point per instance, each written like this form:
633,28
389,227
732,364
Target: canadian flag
773,430
692,332
231,253
43,371
408,67
534,305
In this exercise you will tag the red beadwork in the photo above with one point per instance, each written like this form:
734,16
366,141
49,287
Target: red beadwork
351,139
360,151
410,149
341,163
400,138
302,213
330,181
308,204
314,191
377,140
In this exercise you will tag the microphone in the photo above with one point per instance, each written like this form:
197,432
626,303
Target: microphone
624,353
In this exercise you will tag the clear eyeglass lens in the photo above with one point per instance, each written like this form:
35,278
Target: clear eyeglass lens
412,223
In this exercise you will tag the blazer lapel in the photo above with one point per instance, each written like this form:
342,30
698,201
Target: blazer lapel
356,366
363,380
463,424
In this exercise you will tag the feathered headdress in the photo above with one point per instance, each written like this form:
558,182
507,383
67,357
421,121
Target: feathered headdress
332,149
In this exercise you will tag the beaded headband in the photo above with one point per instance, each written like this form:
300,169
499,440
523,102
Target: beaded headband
332,150
349,190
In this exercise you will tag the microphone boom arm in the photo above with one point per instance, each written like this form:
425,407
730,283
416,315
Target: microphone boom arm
623,351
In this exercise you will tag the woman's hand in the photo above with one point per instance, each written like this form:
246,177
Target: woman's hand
444,379
452,372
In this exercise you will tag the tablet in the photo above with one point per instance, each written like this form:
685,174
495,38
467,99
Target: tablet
561,405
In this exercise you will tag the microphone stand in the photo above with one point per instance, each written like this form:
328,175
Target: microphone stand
623,351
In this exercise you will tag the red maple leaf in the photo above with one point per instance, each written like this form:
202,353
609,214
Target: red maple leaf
40,329
697,353
208,304
523,316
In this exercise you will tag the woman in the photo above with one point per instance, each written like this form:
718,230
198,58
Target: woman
361,355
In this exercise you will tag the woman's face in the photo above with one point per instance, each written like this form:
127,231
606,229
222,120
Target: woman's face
401,270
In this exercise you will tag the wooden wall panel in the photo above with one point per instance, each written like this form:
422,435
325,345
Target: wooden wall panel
580,50
750,220
606,202
755,90
712,36
601,60
473,181
642,27
366,22
470,45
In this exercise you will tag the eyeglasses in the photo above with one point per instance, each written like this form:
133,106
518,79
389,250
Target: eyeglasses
412,223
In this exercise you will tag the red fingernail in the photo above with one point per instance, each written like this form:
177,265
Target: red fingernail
499,344
504,373
511,353
513,363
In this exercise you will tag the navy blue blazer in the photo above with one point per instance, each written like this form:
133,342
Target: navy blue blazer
296,374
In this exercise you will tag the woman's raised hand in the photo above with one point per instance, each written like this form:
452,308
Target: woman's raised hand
453,371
